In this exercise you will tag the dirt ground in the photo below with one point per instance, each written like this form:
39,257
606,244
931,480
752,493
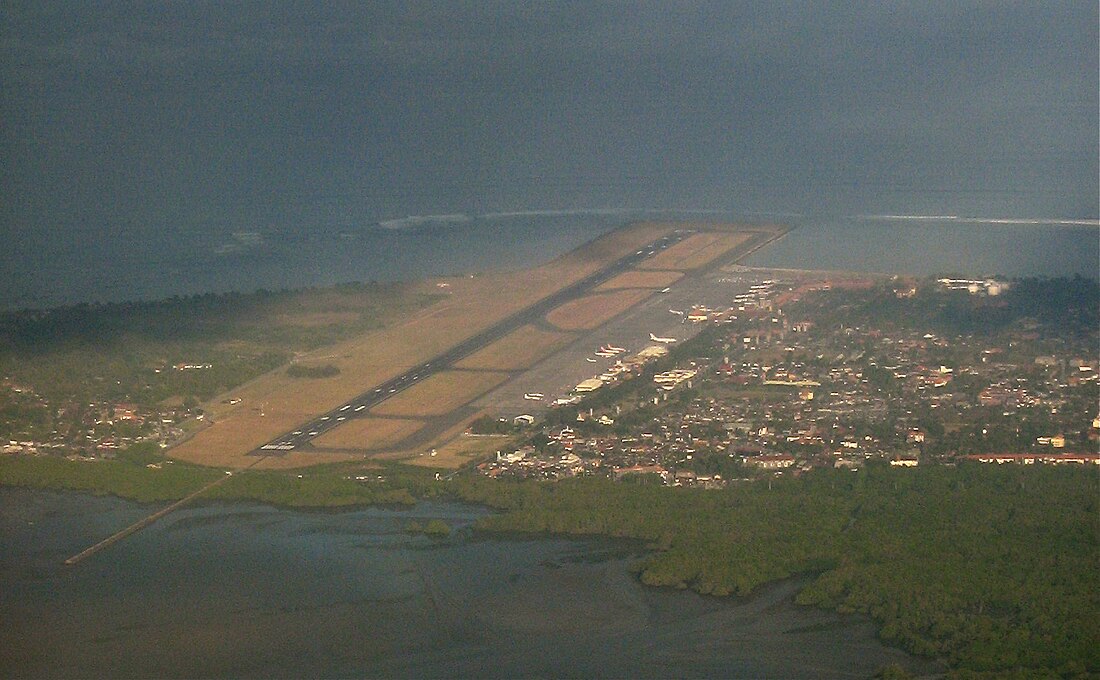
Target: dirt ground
311,319
519,349
592,310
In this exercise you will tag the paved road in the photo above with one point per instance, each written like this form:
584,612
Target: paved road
360,405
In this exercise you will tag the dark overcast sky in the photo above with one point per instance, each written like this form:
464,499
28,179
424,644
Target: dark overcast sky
148,117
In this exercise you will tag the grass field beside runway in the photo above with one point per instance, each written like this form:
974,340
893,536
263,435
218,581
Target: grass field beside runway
591,311
369,433
440,394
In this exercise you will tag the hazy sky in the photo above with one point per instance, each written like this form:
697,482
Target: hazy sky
153,118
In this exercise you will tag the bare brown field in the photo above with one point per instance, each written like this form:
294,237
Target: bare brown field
450,447
712,252
440,394
461,450
674,256
312,319
368,433
472,304
519,349
641,279
591,311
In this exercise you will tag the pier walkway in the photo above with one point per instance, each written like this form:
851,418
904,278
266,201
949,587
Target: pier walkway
144,522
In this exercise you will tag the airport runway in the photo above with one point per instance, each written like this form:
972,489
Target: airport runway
557,375
359,406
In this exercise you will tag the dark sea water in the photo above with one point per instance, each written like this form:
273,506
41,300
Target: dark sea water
252,591
936,246
127,267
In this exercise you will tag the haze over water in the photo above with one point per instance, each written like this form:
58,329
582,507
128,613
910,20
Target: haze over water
163,149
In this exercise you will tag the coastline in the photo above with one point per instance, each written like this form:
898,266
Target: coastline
588,578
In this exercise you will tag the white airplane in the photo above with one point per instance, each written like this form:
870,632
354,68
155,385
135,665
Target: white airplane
666,341
617,350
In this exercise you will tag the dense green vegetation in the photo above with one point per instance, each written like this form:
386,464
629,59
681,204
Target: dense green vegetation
116,477
1071,305
129,351
312,488
991,568
130,476
436,528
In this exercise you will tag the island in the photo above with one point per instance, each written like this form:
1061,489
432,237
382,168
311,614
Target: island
923,450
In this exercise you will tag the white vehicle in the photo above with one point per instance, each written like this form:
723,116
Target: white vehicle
324,417
666,341
590,360
360,408
345,408
534,396
313,433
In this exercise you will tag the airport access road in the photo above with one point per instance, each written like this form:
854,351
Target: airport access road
361,405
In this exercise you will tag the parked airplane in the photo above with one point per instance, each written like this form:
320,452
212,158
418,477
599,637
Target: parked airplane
654,338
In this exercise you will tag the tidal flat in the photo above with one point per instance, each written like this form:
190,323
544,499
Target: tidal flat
248,590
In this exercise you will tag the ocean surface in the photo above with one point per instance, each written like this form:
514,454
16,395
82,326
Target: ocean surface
932,245
252,591
129,266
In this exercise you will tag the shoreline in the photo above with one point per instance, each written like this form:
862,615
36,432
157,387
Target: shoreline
600,552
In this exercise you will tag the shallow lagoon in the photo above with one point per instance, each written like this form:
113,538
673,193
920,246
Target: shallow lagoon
249,590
